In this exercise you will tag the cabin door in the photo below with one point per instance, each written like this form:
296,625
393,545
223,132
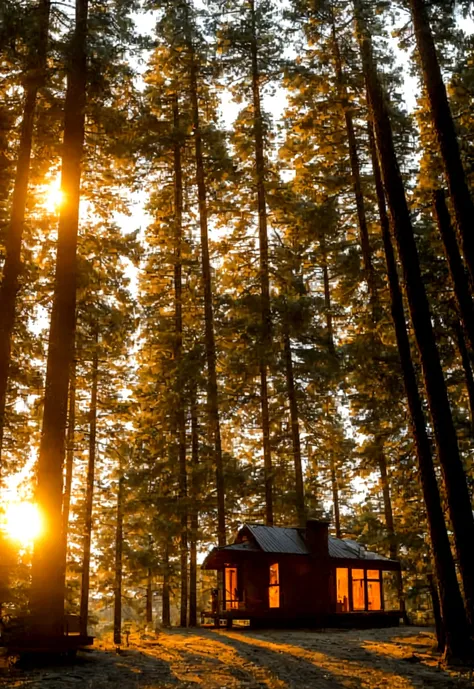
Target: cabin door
231,589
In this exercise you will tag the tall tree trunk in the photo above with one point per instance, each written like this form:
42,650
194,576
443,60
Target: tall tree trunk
456,267
86,548
178,351
165,607
149,598
390,526
295,429
327,300
332,352
71,423
355,170
33,82
440,633
47,585
387,504
445,130
118,562
265,344
194,513
453,611
335,496
372,289
212,388
467,367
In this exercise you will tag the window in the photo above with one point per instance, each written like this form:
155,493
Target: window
358,589
374,594
274,587
342,589
231,592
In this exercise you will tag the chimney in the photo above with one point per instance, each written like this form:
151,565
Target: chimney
316,537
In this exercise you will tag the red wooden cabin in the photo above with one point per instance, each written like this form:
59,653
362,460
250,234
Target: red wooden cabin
276,575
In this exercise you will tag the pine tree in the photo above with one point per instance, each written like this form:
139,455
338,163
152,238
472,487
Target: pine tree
47,596
445,130
454,618
34,80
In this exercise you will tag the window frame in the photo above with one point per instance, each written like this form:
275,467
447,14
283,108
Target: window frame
274,586
233,602
366,579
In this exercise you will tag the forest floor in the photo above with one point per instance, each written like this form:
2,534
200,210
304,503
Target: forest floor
395,658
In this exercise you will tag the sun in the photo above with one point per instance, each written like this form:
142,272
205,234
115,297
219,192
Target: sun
23,522
54,197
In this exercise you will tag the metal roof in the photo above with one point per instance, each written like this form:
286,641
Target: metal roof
278,539
246,545
345,548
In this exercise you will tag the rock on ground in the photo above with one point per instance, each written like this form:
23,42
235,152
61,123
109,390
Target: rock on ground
395,658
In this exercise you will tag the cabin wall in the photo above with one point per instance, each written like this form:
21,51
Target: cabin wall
254,584
307,587
303,586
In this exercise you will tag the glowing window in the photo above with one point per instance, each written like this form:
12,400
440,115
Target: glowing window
342,585
231,592
373,574
358,589
374,598
274,587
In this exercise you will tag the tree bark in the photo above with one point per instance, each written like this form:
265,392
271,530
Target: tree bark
372,289
71,423
390,526
440,633
295,428
118,562
178,352
149,598
332,352
47,585
165,608
194,513
355,170
86,548
445,130
33,82
467,367
265,341
456,267
453,612
335,496
387,503
210,344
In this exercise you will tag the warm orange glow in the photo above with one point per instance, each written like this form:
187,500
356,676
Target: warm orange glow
54,197
231,594
374,597
23,522
342,583
274,588
358,589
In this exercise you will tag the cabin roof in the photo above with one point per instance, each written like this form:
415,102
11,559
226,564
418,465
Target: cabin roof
280,539
258,538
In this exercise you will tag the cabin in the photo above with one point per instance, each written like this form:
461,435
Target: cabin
278,576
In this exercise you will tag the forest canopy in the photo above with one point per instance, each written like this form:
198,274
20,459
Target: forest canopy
237,268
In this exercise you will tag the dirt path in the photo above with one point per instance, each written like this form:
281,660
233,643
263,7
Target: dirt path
208,659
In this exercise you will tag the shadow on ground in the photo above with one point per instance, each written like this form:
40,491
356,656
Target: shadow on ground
215,659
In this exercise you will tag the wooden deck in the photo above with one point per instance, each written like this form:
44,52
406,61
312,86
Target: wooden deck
346,620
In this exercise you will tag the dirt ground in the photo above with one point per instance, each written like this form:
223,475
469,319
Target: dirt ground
396,658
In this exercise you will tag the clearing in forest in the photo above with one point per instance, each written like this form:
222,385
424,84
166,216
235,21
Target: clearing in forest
211,659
